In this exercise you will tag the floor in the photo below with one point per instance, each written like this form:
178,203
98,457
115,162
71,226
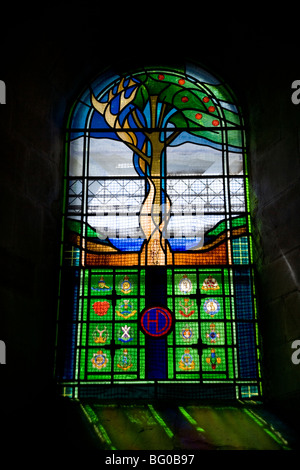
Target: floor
70,428
172,427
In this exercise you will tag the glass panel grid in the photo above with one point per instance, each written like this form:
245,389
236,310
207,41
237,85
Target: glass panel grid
197,227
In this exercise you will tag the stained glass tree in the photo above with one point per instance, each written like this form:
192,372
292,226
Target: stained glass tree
143,149
148,111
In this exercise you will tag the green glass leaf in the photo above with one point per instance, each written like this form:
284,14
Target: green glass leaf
141,98
234,138
220,92
232,119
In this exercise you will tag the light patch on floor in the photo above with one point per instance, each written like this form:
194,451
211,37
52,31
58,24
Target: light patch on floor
157,426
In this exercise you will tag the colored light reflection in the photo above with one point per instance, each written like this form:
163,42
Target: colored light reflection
146,427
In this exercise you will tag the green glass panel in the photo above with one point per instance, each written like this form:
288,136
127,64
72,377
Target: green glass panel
104,378
230,363
126,333
83,334
99,360
186,333
251,248
169,282
74,226
85,309
90,232
126,309
142,282
232,119
86,288
226,282
170,364
214,359
125,377
101,284
99,334
213,333
82,364
188,377
170,339
228,310
214,377
185,308
238,222
185,283
127,283
229,333
234,138
210,282
187,359
142,363
170,303
100,310
141,338
126,360
212,308
218,229
220,92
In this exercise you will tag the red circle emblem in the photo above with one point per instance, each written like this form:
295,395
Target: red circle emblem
156,321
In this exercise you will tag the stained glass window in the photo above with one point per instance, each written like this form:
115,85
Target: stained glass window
157,292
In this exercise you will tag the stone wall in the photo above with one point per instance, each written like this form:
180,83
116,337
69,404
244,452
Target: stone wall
275,181
43,77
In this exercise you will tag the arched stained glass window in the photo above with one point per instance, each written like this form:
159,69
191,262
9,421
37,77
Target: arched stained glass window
157,292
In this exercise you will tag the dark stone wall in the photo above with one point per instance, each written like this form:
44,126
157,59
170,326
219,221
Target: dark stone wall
275,182
44,69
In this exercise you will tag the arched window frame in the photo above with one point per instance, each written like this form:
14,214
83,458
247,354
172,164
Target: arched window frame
83,265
